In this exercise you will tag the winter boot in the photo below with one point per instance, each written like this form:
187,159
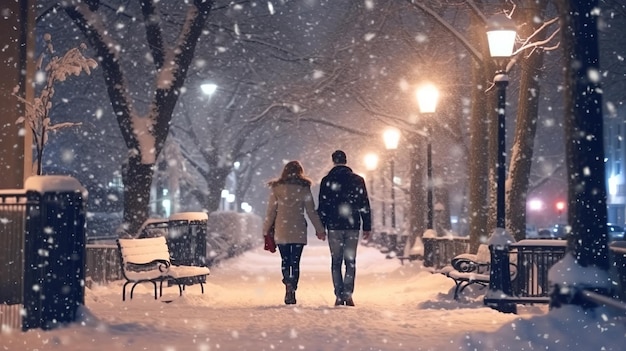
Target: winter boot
290,292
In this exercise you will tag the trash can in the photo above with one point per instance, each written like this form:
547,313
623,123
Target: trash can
154,228
54,251
186,240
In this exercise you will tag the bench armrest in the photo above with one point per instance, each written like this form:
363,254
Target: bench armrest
468,265
160,264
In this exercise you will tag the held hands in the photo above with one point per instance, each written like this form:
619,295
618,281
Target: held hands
321,236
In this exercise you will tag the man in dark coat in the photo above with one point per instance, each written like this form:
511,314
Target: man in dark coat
343,207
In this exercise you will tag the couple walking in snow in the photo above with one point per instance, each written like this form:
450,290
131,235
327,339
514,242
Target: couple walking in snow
343,207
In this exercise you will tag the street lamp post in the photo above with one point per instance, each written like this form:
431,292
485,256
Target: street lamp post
501,33
391,137
371,163
427,98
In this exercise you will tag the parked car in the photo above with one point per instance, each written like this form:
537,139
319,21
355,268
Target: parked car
531,231
615,232
557,231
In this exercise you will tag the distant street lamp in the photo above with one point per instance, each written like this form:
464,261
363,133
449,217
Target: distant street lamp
427,98
208,88
391,137
501,33
371,163
560,206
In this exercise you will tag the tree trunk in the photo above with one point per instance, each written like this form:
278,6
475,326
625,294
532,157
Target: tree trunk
137,178
526,125
478,154
587,210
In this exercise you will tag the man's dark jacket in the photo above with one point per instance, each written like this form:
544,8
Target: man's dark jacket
343,201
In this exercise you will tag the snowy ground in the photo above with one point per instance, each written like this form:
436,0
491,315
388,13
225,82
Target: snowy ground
397,308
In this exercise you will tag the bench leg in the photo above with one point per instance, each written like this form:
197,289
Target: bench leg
124,291
468,283
457,289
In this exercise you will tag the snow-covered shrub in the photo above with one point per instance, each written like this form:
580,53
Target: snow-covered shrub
37,112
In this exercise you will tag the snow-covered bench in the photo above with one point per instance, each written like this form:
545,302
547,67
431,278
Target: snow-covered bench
467,269
147,260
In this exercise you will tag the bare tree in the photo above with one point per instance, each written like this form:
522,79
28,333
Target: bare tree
144,134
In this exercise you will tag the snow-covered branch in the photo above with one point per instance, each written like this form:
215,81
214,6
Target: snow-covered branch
37,112
529,44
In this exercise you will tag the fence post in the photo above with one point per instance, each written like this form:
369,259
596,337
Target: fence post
429,241
54,251
499,272
617,254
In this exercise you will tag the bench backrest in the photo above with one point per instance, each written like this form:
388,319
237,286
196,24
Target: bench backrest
483,255
136,254
144,250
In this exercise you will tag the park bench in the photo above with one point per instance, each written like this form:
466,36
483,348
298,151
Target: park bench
529,262
467,269
147,260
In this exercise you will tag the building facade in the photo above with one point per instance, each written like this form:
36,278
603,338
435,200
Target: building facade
615,155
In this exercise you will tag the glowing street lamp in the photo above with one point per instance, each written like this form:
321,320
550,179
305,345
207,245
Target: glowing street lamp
208,88
371,163
501,37
501,33
427,98
391,137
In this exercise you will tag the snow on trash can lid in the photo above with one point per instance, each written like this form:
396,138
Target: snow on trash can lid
53,183
189,216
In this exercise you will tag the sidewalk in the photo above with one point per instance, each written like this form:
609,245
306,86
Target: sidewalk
397,308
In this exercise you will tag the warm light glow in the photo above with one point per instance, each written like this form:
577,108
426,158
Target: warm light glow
208,88
427,98
501,33
535,205
391,136
560,205
371,161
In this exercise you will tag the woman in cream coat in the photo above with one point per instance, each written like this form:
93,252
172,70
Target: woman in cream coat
290,198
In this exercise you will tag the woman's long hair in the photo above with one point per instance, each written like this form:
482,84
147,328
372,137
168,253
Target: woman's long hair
293,173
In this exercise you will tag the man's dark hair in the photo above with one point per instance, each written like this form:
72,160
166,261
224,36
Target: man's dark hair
339,157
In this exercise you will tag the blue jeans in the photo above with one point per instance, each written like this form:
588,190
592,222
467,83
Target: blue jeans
343,245
290,263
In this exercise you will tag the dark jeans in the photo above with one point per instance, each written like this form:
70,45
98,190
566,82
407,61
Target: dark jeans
290,265
343,244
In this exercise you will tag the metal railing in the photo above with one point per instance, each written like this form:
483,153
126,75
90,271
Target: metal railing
439,251
532,260
12,214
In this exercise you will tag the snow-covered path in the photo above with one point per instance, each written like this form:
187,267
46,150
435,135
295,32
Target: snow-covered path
397,308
